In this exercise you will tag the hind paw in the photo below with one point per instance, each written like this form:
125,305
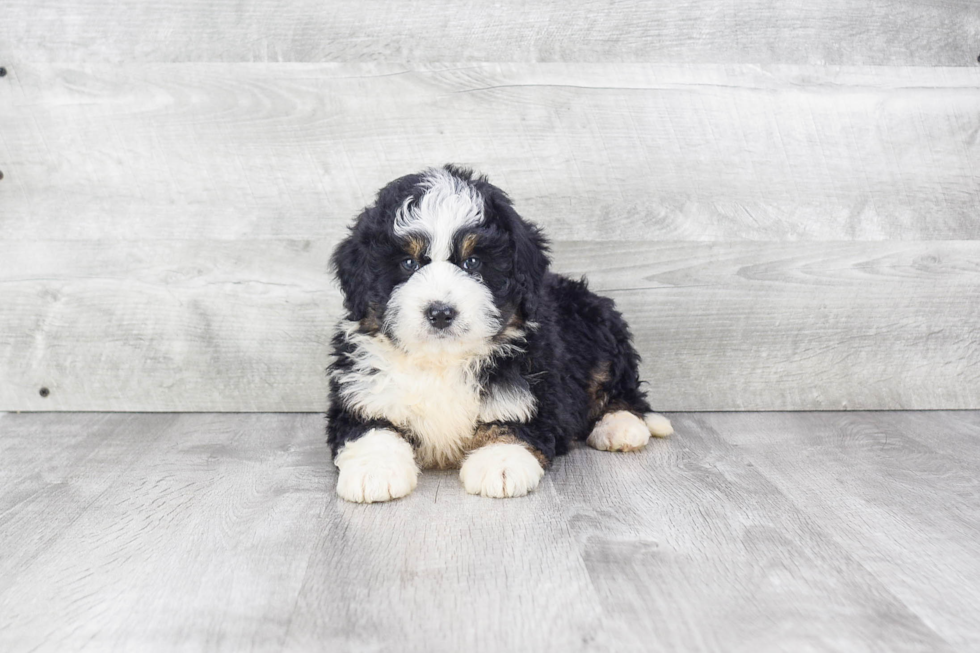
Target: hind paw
619,431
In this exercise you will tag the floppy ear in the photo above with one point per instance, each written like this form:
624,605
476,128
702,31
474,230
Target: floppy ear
530,253
350,264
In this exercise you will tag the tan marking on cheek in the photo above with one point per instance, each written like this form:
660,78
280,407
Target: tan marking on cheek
512,328
370,323
495,433
467,247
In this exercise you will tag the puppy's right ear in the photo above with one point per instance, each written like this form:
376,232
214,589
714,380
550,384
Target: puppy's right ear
350,264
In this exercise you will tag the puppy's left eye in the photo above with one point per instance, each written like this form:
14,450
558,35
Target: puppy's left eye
472,264
410,265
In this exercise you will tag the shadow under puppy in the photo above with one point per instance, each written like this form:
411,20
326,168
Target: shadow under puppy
460,348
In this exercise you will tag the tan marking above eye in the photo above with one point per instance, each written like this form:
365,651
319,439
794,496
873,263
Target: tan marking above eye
415,246
467,247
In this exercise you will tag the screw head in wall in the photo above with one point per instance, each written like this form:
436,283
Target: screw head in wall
44,392
3,71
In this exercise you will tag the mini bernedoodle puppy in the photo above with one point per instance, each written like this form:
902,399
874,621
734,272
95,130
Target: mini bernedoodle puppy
460,348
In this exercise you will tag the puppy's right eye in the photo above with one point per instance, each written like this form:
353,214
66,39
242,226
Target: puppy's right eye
410,265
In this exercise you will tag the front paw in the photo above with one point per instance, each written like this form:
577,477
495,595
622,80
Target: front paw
501,470
378,466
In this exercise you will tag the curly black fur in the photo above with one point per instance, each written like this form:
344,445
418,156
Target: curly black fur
578,361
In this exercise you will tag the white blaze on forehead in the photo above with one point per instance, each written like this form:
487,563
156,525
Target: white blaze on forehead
448,205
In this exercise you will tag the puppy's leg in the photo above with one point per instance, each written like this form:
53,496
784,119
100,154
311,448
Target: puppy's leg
625,421
501,465
377,466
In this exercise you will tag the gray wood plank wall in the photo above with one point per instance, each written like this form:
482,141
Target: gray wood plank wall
834,32
783,200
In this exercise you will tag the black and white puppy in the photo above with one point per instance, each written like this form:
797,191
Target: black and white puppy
460,348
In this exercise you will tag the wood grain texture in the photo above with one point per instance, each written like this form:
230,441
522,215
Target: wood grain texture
803,326
464,576
245,325
957,439
171,325
910,497
590,151
196,539
40,496
690,547
891,32
747,532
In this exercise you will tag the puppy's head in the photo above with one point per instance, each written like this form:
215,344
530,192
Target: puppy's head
441,264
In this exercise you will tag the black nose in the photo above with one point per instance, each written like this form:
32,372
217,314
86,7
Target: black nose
440,315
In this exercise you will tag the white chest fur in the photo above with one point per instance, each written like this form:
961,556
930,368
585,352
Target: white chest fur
438,400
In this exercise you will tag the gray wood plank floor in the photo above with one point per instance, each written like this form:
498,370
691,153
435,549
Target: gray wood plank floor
853,531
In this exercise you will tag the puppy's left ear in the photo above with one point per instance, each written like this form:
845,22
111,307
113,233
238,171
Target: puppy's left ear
530,253
350,263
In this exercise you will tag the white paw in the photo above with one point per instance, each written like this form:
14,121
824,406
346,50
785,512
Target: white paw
501,470
619,431
378,466
659,425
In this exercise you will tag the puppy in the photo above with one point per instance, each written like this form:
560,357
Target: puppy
460,348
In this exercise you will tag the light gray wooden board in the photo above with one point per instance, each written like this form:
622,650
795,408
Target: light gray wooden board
590,151
957,435
40,494
166,325
887,489
246,325
762,326
202,541
222,532
446,571
899,32
187,532
691,548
